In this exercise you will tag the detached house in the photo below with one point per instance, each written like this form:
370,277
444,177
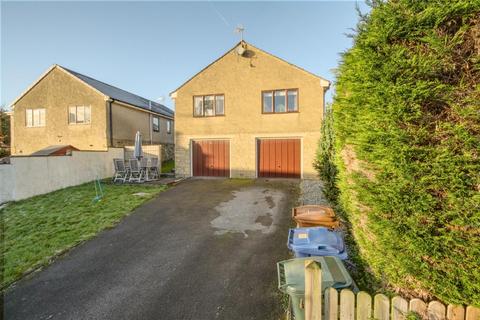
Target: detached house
65,108
249,114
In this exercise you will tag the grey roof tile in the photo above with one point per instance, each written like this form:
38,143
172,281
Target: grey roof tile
122,95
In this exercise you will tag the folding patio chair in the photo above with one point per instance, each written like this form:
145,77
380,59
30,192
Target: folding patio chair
121,172
144,168
136,173
153,168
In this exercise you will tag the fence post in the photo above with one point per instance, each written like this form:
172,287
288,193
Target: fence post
313,290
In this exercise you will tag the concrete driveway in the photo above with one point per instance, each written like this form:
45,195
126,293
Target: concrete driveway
205,249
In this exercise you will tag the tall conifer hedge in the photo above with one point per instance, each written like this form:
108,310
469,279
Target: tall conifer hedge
407,129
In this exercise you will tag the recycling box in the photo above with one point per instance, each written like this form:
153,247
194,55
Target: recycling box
316,241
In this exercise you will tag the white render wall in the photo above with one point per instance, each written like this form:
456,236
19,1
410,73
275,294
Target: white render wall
26,177
6,182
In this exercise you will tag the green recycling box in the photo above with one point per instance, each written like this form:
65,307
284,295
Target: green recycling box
291,279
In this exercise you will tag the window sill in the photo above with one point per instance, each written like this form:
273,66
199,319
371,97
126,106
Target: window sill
215,116
286,112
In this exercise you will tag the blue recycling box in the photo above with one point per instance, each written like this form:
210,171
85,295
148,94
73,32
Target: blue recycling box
316,241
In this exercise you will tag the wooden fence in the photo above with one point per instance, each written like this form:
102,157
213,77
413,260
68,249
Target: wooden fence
347,305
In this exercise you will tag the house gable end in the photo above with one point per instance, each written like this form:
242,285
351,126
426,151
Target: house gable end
54,68
250,49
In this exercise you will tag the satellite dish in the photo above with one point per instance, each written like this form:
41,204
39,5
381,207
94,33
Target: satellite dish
240,50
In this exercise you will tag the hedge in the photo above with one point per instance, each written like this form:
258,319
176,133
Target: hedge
407,146
325,159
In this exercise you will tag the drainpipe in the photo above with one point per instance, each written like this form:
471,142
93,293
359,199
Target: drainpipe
150,122
110,119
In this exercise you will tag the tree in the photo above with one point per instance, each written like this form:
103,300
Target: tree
4,133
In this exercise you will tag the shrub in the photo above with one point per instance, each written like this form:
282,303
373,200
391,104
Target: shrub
407,128
324,162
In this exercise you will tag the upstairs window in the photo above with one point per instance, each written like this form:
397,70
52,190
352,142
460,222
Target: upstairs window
169,126
268,102
156,124
292,100
219,105
209,105
79,115
280,101
35,117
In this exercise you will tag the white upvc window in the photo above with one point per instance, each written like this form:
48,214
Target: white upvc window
169,126
35,117
79,115
155,124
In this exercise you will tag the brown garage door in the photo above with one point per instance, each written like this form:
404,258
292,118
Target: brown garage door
279,158
211,158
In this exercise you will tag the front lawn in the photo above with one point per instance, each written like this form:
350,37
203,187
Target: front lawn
38,229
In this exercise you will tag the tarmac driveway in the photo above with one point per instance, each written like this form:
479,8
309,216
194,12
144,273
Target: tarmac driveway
205,249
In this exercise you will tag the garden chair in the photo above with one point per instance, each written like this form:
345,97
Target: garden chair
127,166
153,168
136,172
144,168
121,172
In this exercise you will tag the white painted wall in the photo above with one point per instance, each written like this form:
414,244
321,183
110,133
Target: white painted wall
30,176
6,182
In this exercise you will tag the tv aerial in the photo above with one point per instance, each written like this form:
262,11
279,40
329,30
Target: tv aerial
240,29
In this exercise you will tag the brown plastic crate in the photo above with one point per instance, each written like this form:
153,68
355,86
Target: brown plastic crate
315,216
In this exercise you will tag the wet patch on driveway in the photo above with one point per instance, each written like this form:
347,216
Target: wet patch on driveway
251,209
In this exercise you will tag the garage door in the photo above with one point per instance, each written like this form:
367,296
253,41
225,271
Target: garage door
211,158
279,158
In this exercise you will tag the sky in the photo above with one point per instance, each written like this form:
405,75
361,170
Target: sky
151,48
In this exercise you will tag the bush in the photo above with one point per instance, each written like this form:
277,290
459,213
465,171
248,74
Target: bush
324,162
407,128
4,134
4,152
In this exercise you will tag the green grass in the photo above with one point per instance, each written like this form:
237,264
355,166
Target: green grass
167,166
38,229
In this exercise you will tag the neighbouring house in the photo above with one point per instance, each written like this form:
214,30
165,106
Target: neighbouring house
66,108
249,114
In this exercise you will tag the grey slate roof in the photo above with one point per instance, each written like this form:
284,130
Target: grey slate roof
122,95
